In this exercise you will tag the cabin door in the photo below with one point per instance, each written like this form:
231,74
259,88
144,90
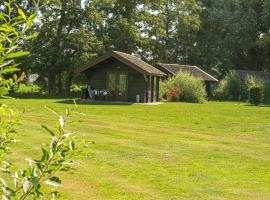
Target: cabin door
117,85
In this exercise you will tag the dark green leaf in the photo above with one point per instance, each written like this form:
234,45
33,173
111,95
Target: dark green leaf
45,156
54,181
48,130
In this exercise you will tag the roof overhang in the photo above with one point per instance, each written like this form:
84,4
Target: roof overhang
115,55
165,70
214,79
162,67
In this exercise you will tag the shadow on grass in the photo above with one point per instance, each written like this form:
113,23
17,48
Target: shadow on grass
69,100
102,103
39,97
259,106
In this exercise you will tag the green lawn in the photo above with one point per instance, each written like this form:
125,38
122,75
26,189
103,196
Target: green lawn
172,151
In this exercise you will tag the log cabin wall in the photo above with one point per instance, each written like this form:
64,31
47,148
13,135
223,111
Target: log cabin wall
136,83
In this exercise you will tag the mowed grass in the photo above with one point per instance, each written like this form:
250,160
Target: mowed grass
216,150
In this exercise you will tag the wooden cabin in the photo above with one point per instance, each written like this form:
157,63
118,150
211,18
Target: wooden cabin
126,77
173,69
243,74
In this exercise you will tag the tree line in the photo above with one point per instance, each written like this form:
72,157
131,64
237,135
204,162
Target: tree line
217,35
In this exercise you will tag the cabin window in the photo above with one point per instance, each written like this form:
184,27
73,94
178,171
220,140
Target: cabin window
112,82
122,84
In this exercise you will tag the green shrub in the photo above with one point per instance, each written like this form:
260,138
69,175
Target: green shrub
256,90
75,88
25,89
174,94
231,88
267,92
252,81
192,88
256,95
163,90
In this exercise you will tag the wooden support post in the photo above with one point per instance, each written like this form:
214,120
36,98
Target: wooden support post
157,88
208,88
146,90
152,88
149,88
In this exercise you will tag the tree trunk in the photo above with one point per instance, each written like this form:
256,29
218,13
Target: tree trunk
167,27
55,66
51,83
59,83
68,83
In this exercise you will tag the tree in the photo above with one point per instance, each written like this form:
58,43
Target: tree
217,35
161,30
263,41
229,34
170,28
117,23
63,43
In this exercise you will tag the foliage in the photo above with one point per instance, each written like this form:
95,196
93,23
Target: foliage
56,157
218,35
252,89
193,89
170,29
75,91
174,94
9,118
12,36
252,81
267,92
255,90
116,21
26,183
231,88
156,30
26,89
13,32
231,35
75,88
256,95
65,41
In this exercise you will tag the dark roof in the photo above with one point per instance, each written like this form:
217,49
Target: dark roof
173,69
130,60
243,74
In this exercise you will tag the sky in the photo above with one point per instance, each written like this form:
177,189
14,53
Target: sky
83,1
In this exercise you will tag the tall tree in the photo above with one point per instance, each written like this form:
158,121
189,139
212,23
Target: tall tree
118,28
162,30
63,43
216,34
263,41
229,34
170,28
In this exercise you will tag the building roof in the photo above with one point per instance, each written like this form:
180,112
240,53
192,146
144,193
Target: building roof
130,60
243,74
173,69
